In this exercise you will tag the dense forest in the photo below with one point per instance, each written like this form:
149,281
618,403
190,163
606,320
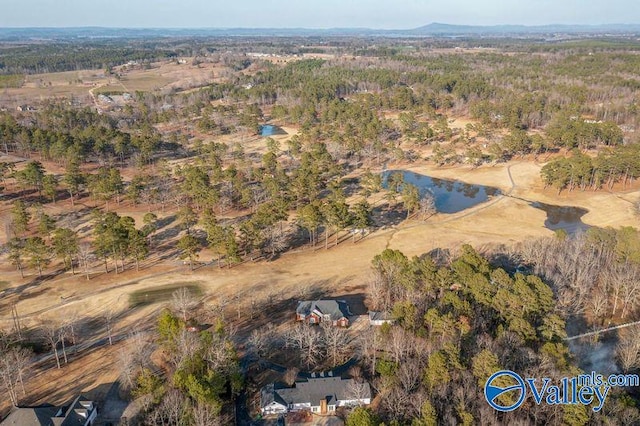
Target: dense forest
459,320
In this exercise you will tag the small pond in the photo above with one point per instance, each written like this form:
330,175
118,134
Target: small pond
568,218
271,130
450,196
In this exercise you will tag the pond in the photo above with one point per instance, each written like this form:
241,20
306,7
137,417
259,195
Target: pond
568,218
267,130
450,196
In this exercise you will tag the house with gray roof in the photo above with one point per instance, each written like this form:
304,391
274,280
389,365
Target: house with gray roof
318,311
320,395
81,412
379,318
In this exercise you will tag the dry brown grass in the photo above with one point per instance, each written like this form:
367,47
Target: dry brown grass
166,75
339,271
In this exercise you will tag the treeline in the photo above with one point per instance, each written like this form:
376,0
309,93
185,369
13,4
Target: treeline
48,58
35,239
594,274
457,323
581,171
511,91
68,136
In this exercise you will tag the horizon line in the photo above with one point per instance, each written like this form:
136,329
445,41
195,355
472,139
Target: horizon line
313,28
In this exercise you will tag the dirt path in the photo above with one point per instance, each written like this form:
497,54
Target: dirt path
93,97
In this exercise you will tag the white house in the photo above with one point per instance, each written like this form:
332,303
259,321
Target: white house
321,395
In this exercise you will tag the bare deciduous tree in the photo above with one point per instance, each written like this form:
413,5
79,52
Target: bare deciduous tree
20,358
337,342
276,239
369,344
50,332
427,206
379,292
13,365
205,415
128,368
290,375
262,340
399,343
409,375
357,390
215,310
218,355
186,346
172,407
309,342
135,356
63,333
599,304
85,256
630,290
399,404
183,301
7,375
107,317
72,326
628,350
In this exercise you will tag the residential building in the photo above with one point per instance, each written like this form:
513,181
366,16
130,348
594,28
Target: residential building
320,395
81,412
317,311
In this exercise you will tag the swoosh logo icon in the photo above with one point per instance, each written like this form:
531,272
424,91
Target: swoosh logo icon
492,392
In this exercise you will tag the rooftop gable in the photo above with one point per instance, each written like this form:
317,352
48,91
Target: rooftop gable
36,416
336,309
313,390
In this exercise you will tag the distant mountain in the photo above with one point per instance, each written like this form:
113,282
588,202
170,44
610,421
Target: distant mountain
432,30
448,29
107,32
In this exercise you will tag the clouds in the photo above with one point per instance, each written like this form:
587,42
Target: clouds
399,14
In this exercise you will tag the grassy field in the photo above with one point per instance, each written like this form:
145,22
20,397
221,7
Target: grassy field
14,81
109,90
144,82
162,293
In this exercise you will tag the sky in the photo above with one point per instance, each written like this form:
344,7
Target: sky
379,14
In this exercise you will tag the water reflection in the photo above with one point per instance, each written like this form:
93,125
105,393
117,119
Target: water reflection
450,196
271,130
568,218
